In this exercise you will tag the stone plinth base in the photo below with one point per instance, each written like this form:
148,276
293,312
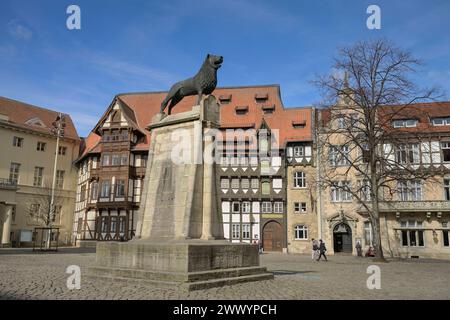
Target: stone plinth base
189,264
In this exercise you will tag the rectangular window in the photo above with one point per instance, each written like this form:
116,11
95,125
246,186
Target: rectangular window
62,151
120,188
255,183
445,146
60,179
124,160
299,180
236,207
265,187
365,190
18,142
94,190
246,207
38,173
278,207
300,207
224,183
413,234
105,224
122,224
14,172
265,167
266,207
246,231
339,156
407,123
234,183
41,146
447,189
245,183
445,238
113,224
105,161
105,191
340,191
56,213
235,231
409,190
115,160
368,233
83,193
299,151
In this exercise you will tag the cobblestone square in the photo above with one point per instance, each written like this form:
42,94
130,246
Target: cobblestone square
28,275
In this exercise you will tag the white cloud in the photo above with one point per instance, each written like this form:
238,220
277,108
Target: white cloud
18,31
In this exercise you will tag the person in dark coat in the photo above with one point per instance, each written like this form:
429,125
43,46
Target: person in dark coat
322,250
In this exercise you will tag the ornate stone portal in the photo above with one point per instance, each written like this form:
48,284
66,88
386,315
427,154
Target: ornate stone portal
179,239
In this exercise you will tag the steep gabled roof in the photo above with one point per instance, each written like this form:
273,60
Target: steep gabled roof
147,104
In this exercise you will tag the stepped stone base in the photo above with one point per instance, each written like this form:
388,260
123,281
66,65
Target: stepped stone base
186,264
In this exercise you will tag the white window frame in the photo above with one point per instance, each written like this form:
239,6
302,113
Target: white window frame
266,207
235,231
299,180
246,207
298,151
301,229
246,231
278,207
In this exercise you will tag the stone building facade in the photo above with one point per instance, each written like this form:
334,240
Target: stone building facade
26,170
414,214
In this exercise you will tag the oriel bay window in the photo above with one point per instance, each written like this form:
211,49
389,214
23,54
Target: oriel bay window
412,233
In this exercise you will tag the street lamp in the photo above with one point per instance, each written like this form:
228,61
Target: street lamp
58,130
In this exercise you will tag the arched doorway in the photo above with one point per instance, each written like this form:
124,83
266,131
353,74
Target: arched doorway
342,238
272,236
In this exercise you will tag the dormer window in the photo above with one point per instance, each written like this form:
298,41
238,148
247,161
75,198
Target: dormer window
35,122
440,121
298,124
225,99
241,110
268,109
261,97
406,123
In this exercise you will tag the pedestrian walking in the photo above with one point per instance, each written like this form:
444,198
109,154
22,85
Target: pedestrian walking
322,250
359,248
315,249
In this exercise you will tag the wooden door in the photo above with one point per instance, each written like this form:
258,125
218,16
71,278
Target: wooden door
272,237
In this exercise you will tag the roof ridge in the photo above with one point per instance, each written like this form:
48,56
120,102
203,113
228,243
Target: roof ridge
226,87
32,105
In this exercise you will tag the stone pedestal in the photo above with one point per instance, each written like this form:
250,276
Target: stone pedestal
179,240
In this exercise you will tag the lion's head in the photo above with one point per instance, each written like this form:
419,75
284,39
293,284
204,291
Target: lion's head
214,61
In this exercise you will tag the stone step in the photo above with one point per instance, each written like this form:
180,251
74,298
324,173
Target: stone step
188,286
199,285
178,277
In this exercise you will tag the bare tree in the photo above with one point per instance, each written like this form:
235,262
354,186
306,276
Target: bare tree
38,206
369,89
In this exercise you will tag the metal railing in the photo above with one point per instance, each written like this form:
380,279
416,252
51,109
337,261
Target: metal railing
8,184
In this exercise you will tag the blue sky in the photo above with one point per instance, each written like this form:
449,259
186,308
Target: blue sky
132,46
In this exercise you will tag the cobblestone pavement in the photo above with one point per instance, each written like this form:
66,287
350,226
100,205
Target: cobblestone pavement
27,275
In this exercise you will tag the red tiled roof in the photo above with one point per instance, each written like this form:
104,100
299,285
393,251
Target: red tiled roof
19,113
146,105
423,112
